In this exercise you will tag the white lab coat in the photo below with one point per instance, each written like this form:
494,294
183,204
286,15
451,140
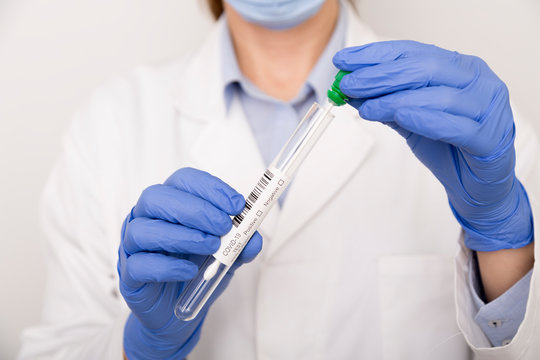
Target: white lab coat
360,263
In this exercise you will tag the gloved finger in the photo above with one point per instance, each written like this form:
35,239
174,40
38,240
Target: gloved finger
413,73
454,101
357,57
143,268
153,235
356,102
252,249
180,207
437,125
209,188
401,131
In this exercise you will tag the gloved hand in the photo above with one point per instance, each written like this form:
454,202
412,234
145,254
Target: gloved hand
455,114
167,235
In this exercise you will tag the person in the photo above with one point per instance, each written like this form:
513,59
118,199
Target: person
358,257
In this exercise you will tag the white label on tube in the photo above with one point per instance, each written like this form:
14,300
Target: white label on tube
258,203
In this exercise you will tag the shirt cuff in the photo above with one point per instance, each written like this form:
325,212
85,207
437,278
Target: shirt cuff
501,318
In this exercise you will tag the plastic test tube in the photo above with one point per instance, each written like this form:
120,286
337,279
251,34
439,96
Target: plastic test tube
259,202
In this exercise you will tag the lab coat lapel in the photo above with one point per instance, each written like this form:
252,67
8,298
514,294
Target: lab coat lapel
336,157
227,149
333,160
225,146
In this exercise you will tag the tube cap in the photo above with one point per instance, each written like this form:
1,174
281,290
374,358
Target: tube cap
335,95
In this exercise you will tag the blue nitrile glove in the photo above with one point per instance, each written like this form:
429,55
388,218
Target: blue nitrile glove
165,237
455,114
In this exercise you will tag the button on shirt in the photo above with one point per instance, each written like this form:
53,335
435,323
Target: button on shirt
272,121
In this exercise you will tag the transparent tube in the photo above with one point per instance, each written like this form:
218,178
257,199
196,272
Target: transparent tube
265,194
302,140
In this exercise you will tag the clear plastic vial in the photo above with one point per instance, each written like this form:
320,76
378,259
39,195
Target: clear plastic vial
259,202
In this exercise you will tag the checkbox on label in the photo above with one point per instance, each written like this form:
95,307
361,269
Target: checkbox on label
259,213
280,182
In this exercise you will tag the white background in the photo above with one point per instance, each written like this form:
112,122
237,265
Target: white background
52,53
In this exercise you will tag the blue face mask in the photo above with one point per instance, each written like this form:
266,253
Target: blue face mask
276,14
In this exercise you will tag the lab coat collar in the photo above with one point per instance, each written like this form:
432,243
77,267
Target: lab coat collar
199,94
333,161
227,148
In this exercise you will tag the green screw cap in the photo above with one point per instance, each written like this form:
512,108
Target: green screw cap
335,95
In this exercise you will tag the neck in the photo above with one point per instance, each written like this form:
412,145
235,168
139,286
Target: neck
279,62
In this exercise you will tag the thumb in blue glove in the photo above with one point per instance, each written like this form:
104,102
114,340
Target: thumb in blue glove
455,115
167,235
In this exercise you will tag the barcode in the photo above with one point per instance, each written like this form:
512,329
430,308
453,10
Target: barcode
257,191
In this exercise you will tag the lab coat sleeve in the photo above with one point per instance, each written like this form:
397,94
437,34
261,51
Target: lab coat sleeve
83,313
525,344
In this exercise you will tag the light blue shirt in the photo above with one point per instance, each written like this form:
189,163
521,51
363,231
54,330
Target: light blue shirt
499,319
273,121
